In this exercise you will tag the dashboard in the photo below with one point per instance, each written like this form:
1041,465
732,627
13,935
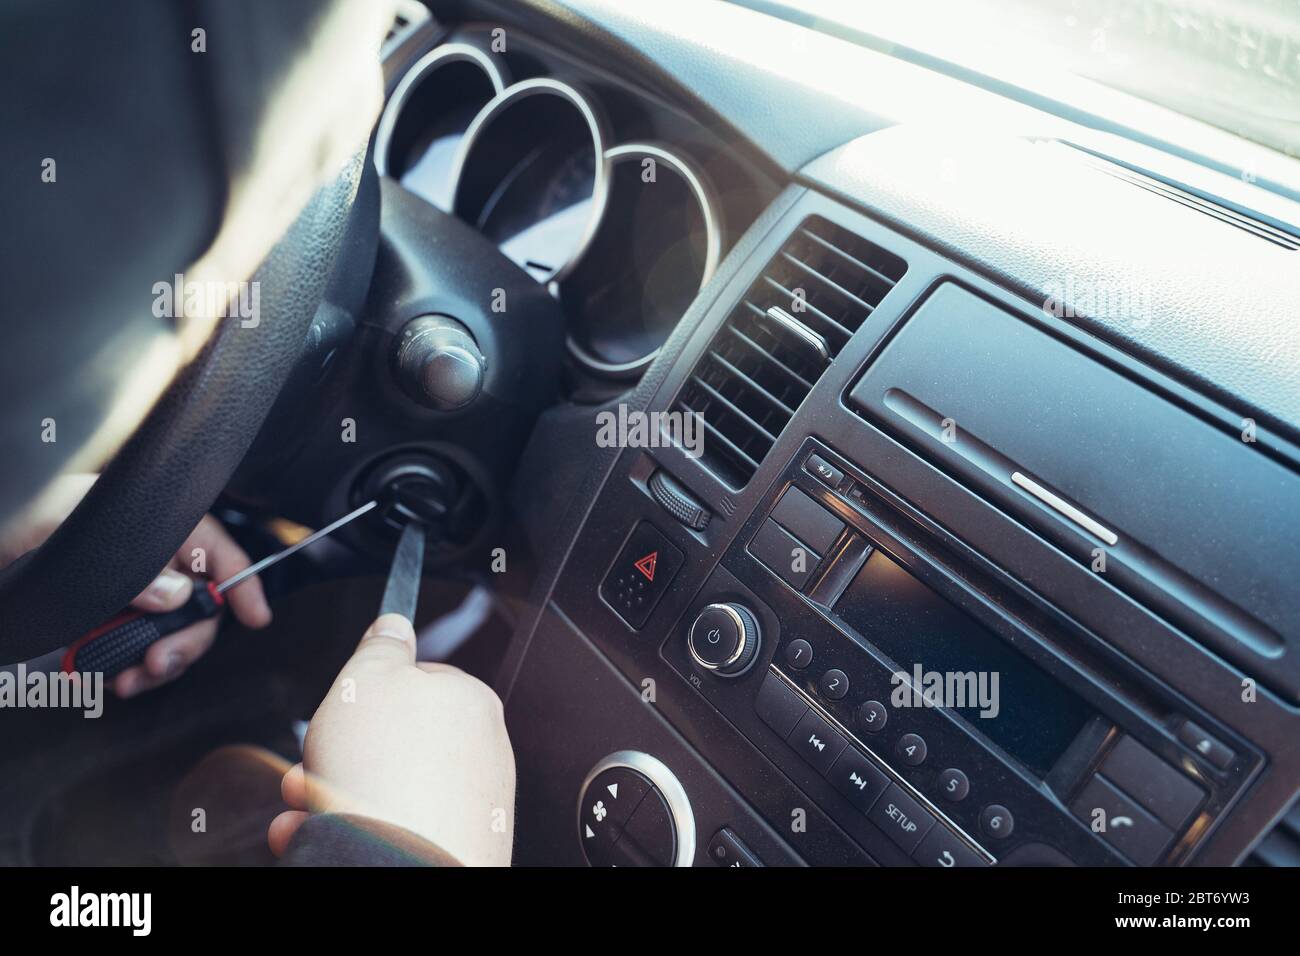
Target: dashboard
620,206
971,423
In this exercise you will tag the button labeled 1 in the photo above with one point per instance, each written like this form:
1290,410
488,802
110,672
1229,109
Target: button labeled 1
798,654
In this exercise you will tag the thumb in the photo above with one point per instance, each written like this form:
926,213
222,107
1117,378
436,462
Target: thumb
167,592
391,638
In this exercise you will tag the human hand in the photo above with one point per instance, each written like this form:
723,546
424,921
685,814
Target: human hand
168,658
423,746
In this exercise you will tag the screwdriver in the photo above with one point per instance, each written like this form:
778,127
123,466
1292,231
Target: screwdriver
402,591
122,642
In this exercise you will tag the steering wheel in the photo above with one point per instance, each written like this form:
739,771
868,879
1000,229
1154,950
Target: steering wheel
165,478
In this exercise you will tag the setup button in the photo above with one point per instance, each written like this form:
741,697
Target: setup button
904,820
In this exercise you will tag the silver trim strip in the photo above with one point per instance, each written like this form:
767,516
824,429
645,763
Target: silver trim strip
542,86
666,782
712,241
884,766
1062,506
784,318
437,57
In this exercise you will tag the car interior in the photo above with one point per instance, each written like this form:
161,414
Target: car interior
832,450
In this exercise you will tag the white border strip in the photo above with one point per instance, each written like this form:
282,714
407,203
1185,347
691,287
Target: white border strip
712,241
542,86
431,61
1058,503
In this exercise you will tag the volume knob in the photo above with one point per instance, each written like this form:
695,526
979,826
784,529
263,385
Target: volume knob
724,639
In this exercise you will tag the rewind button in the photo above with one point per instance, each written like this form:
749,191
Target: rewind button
816,742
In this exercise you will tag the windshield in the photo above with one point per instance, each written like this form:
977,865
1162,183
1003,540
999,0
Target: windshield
1234,65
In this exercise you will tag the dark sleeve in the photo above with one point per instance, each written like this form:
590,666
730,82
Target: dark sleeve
331,839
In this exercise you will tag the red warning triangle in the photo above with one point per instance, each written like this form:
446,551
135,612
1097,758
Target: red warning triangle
647,565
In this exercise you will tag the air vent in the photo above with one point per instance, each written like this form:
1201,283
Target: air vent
1282,846
795,318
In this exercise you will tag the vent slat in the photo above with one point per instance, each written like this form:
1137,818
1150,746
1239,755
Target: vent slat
838,290
780,405
758,349
761,365
721,436
855,262
733,408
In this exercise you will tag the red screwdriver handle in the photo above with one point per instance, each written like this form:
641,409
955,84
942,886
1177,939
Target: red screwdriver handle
121,643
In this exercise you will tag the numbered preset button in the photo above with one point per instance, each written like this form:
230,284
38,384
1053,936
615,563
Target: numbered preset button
834,684
872,716
798,654
953,785
911,749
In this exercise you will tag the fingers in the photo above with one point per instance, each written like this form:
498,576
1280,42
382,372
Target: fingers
166,592
390,639
224,557
283,828
166,659
132,681
293,787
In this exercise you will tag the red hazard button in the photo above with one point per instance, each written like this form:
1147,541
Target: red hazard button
638,578
647,565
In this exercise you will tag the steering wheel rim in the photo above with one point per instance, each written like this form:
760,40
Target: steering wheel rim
184,452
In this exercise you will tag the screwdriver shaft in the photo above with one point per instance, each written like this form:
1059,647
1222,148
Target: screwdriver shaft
266,562
402,592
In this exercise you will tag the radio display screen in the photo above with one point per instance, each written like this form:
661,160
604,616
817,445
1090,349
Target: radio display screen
955,662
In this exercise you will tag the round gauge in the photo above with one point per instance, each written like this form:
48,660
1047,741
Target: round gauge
531,175
426,118
657,245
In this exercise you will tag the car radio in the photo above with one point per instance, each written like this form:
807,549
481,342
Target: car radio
938,712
